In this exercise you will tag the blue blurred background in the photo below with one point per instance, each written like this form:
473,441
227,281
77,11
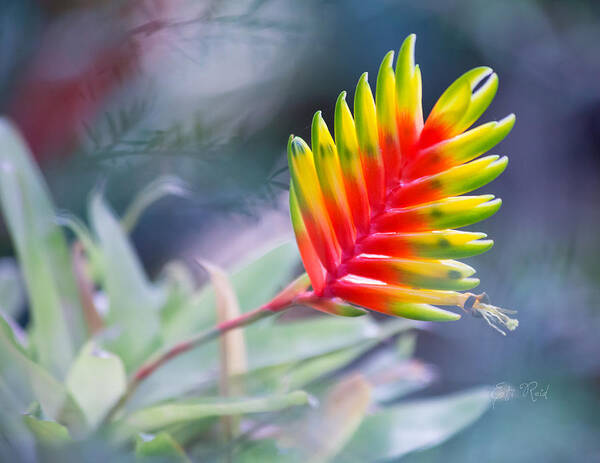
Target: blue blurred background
114,94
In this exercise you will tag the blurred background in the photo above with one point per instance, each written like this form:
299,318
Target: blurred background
114,94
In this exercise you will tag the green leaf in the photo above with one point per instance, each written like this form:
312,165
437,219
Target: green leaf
255,283
398,378
17,443
134,303
268,451
305,338
96,380
396,431
47,432
265,275
15,389
324,431
10,330
295,375
84,236
57,322
394,374
159,416
161,447
406,345
22,382
180,285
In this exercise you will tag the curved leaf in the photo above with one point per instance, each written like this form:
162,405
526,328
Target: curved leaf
159,416
396,431
134,303
96,380
57,322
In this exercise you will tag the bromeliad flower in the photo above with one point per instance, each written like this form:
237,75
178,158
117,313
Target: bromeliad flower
374,211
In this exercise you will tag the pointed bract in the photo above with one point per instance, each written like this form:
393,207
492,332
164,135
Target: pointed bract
436,244
310,203
408,88
385,97
354,181
398,300
425,274
332,184
311,261
368,143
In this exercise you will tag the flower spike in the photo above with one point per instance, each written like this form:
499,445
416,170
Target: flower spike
352,173
375,211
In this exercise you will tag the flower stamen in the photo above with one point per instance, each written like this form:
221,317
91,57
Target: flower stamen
478,306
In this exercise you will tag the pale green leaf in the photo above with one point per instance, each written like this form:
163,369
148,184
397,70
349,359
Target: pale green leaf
272,343
47,432
57,322
22,382
96,380
84,236
395,431
299,374
399,378
322,433
180,285
159,416
134,303
406,345
394,375
161,447
268,451
17,443
13,332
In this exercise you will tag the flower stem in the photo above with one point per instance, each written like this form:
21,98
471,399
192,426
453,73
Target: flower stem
183,346
282,301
